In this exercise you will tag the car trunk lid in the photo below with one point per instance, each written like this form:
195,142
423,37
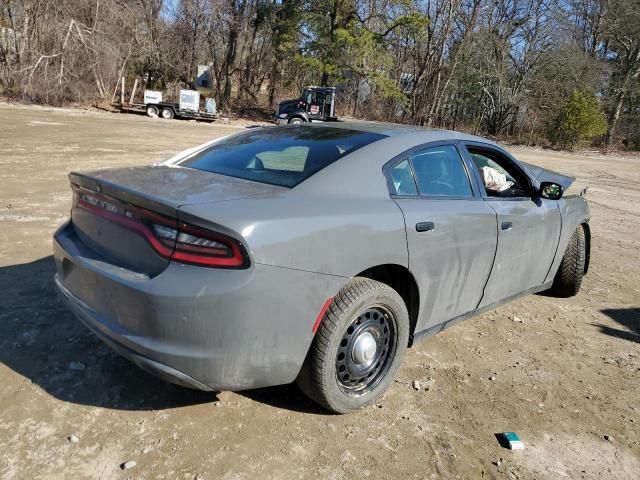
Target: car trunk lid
166,187
130,215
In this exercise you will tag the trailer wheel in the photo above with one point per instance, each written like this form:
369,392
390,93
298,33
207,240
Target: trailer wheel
152,111
167,113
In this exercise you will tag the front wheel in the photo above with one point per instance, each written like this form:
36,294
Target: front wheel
295,120
358,348
568,279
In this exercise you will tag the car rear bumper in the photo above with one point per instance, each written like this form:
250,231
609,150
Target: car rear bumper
93,322
211,329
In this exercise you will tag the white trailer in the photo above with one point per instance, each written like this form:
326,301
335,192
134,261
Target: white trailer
187,108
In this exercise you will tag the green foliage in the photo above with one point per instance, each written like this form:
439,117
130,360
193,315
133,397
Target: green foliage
415,23
581,120
349,46
308,63
388,89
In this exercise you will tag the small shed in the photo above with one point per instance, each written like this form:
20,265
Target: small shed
204,79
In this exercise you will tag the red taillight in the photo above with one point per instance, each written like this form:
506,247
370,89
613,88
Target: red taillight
203,247
177,241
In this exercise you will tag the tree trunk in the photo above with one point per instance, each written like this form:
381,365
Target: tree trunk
614,116
228,65
333,25
632,73
230,56
286,25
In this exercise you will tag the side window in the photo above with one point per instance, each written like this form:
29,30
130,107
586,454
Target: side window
440,172
402,179
499,176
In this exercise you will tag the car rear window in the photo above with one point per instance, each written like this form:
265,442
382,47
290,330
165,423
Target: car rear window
283,156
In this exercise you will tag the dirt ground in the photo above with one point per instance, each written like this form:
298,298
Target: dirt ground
567,371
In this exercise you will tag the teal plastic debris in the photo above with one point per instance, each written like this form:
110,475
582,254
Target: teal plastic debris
512,440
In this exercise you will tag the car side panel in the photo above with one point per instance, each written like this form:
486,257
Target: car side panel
337,236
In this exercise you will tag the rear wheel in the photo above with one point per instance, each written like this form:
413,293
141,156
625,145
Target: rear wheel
296,120
358,347
568,279
152,111
167,113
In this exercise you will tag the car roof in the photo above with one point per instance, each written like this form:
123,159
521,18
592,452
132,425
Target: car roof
397,130
366,163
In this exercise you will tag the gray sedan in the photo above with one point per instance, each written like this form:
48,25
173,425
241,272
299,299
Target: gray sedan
312,253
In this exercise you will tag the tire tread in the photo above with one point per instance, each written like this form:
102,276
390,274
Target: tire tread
311,376
568,279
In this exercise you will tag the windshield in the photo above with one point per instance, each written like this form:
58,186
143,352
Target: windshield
283,156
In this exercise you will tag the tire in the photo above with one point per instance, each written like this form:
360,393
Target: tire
344,371
167,113
152,111
568,279
295,120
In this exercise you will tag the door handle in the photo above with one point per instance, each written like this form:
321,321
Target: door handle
507,225
425,226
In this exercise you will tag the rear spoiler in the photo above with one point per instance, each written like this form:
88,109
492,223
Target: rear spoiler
93,182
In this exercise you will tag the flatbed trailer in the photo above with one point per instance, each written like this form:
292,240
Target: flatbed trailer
153,105
166,110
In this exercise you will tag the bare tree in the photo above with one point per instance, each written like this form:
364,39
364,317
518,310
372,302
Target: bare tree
623,38
499,67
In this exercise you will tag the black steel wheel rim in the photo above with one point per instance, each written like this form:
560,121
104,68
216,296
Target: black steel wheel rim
359,366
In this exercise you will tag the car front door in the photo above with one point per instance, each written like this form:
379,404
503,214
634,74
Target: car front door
451,231
528,225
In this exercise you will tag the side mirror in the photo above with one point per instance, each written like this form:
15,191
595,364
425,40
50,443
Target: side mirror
551,191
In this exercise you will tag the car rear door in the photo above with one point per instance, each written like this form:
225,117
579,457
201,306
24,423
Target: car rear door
451,231
528,227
